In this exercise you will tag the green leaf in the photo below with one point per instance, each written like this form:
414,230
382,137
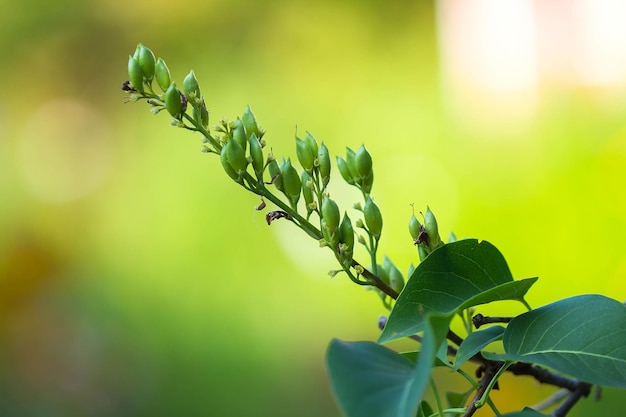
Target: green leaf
475,342
458,399
583,336
370,380
455,276
526,412
424,409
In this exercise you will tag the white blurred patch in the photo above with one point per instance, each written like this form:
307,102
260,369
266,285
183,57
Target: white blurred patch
64,151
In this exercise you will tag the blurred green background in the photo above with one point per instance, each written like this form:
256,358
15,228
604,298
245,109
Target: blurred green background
136,279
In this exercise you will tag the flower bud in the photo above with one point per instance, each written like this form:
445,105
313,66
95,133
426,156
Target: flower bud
430,225
323,158
145,58
307,191
343,170
308,138
275,174
162,73
421,251
305,155
415,228
367,182
396,280
173,101
346,232
351,163
363,162
135,74
228,168
190,85
249,122
331,237
291,182
236,156
330,214
256,155
239,134
373,218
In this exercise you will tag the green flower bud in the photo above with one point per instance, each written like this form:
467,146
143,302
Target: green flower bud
373,218
173,101
249,122
227,166
410,271
343,170
396,280
367,182
346,232
422,252
430,224
308,138
275,174
415,228
190,85
291,182
351,162
239,134
236,156
363,162
330,214
305,154
135,74
307,191
331,237
145,58
256,154
323,158
452,237
162,73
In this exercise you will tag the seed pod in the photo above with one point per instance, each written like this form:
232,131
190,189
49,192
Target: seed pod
308,138
330,214
190,85
323,158
343,170
204,115
331,237
275,174
363,162
422,252
430,224
249,122
135,74
256,154
307,190
373,218
145,58
239,134
173,101
162,73
291,182
305,155
227,166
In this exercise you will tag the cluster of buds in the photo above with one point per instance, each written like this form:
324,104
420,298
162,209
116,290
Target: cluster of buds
356,169
425,236
240,146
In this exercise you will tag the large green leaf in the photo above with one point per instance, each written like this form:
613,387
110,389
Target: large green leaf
583,336
370,380
455,276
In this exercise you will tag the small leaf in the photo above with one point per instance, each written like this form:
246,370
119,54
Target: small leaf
424,409
583,336
475,342
526,412
453,277
458,399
